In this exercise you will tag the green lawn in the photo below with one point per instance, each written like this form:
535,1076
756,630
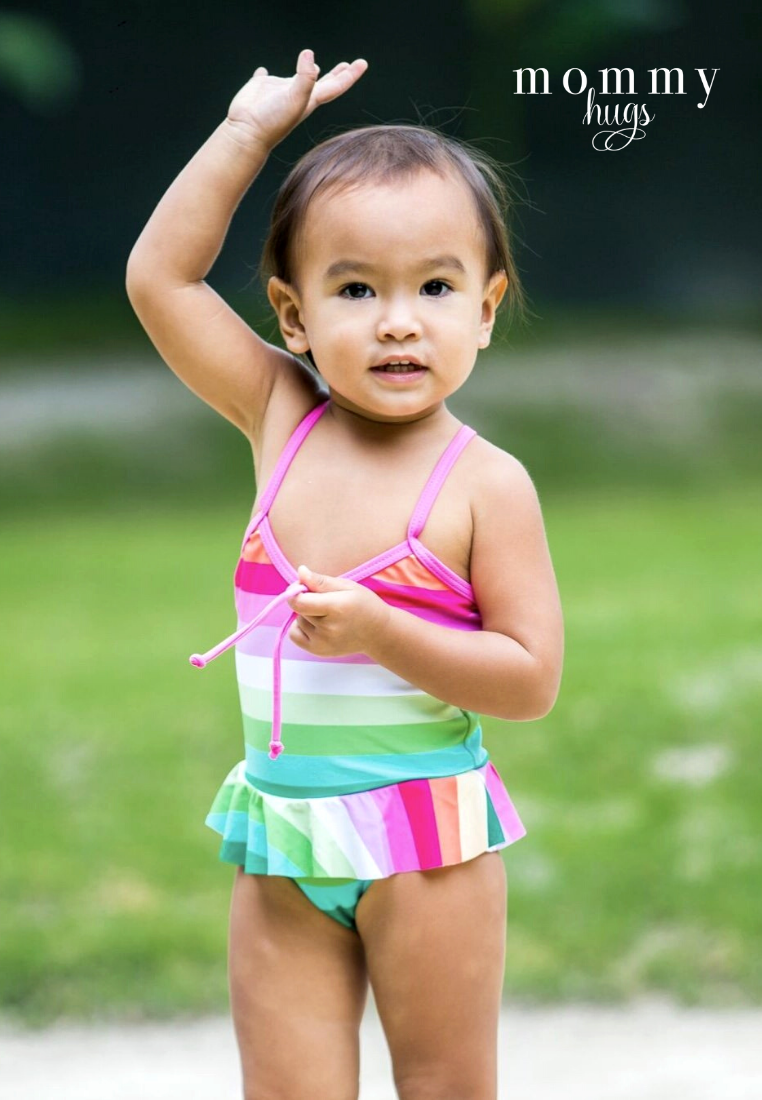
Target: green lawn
641,791
642,869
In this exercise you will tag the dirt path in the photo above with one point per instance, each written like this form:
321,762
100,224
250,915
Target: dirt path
649,1051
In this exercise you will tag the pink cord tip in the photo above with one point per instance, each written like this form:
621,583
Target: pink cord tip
276,748
197,660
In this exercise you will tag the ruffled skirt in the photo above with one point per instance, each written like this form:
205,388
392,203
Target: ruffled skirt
415,825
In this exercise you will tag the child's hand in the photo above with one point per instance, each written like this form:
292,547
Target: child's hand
269,107
337,616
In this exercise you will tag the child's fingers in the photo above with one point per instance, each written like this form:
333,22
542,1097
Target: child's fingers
342,77
356,68
326,81
310,608
306,65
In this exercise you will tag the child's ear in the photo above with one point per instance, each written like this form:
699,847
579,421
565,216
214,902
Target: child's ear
285,301
496,288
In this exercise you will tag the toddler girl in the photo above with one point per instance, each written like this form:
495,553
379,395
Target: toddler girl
366,819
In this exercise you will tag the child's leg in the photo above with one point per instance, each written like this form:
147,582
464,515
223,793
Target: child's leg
298,988
435,949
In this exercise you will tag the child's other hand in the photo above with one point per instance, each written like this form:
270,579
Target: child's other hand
269,107
336,617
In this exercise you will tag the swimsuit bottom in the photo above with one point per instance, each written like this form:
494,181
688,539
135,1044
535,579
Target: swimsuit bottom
336,897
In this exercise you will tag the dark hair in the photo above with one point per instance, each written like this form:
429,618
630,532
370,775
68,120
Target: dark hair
381,154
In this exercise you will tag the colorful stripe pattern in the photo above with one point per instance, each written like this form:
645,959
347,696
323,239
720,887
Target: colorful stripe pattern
412,826
377,776
347,722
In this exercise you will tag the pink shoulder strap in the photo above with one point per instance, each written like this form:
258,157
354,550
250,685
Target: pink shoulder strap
295,441
285,458
437,479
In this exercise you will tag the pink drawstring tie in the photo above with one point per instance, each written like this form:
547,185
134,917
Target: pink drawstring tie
200,660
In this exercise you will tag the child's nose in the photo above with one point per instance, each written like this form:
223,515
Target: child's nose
400,319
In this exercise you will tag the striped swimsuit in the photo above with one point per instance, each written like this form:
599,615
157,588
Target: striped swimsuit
351,773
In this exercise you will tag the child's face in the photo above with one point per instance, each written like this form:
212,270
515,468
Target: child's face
412,283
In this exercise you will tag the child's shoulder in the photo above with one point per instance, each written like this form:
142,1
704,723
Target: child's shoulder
501,481
497,466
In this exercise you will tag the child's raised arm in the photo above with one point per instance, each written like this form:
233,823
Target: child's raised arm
208,346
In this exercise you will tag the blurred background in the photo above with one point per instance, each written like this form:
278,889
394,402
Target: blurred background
632,394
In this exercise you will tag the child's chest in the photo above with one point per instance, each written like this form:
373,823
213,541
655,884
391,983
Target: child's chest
336,515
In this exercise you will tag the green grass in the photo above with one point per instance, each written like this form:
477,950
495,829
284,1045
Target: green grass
631,879
641,791
113,901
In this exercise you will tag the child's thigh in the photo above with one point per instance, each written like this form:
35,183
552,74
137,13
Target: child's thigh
435,951
298,988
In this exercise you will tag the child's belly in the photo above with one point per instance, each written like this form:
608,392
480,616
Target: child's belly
349,724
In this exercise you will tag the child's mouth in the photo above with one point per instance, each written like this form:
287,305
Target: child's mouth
400,372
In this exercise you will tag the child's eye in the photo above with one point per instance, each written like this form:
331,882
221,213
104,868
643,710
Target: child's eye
348,290
353,286
439,283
